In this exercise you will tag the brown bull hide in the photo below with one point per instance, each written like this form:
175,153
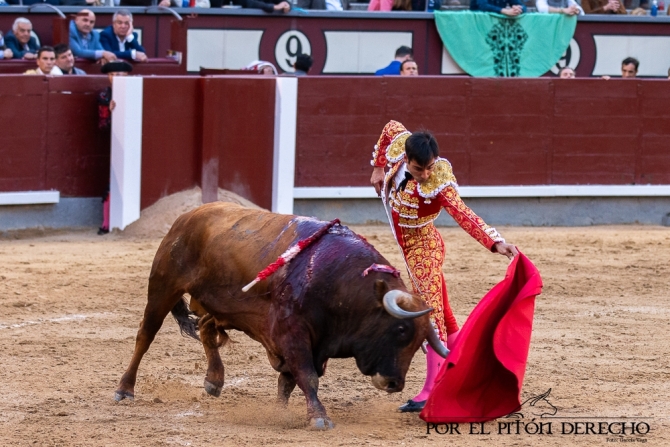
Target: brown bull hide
317,307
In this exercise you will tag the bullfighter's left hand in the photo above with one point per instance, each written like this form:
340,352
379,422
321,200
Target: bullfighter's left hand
508,250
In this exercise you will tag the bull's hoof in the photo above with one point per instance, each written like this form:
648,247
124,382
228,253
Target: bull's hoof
119,395
212,390
321,424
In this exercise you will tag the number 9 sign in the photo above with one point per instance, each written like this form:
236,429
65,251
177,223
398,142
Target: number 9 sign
289,46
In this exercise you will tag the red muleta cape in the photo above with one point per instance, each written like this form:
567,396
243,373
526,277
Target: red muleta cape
482,376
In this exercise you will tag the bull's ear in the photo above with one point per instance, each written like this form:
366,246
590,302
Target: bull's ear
381,287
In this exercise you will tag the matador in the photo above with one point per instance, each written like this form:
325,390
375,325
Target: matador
417,185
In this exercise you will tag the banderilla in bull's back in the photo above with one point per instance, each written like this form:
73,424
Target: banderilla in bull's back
317,306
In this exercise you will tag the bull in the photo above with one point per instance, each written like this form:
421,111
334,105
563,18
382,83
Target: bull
319,306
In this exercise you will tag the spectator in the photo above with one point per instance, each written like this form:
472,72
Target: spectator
165,3
420,5
46,63
19,40
261,67
65,60
668,73
81,2
603,7
105,107
510,8
402,5
265,5
566,73
401,55
567,7
105,103
85,41
198,3
5,53
120,39
311,4
303,63
334,5
629,68
409,68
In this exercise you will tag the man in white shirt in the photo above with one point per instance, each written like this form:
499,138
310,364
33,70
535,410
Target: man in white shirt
46,63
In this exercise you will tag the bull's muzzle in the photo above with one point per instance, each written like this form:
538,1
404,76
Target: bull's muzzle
392,300
388,384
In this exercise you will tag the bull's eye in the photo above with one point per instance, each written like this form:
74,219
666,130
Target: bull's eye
401,330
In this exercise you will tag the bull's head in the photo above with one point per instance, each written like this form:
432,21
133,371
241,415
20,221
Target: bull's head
398,336
392,300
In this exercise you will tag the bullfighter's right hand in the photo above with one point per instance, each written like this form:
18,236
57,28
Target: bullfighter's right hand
377,180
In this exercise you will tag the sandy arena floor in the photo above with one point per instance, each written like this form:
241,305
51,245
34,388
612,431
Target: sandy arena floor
71,304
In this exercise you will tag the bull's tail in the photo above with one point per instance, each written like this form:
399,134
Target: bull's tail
187,320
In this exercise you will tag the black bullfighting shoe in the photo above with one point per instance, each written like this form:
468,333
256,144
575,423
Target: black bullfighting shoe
412,406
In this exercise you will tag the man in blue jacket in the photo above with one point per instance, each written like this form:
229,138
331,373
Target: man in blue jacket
401,55
20,41
84,41
120,39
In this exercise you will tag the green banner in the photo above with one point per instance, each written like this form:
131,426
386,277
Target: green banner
486,44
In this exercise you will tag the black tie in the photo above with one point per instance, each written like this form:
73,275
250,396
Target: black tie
408,177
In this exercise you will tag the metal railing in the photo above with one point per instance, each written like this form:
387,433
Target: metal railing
155,8
45,5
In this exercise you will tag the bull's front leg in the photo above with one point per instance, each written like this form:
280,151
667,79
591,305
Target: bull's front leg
307,379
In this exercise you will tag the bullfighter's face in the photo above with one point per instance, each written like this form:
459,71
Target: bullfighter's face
419,172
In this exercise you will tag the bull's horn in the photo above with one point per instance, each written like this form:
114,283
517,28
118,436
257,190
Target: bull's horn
391,305
436,344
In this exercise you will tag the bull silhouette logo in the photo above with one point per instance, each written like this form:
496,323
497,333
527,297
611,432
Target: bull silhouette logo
535,406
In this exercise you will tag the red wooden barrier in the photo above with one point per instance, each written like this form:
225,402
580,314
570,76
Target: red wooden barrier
494,131
219,131
171,137
23,128
238,135
77,150
49,135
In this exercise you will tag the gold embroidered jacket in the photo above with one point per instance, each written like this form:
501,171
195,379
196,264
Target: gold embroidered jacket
420,204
